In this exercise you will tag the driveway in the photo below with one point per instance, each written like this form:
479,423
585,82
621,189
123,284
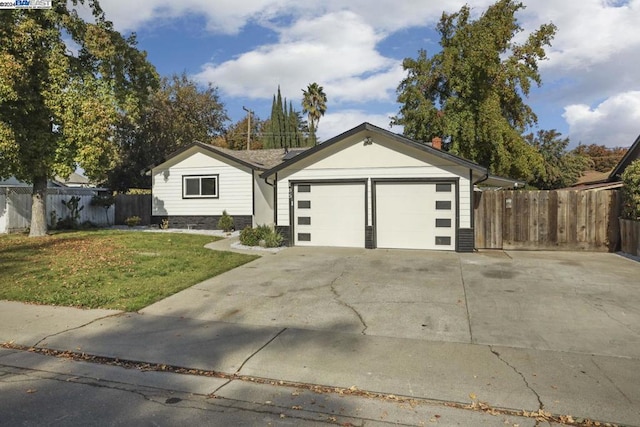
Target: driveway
578,302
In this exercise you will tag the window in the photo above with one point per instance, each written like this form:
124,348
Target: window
304,204
443,188
304,237
443,205
304,188
443,222
205,186
304,220
443,240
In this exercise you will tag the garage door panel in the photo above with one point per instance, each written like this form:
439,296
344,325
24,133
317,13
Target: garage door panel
415,215
335,215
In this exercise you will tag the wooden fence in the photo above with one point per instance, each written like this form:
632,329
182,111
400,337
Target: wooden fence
547,220
15,207
630,236
128,205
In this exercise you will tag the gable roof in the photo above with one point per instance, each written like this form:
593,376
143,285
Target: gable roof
260,160
632,154
375,130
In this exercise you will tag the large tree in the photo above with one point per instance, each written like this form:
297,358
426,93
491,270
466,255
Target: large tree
285,127
314,104
179,112
603,158
561,168
58,105
471,92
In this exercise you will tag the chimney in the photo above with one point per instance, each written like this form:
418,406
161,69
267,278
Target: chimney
436,143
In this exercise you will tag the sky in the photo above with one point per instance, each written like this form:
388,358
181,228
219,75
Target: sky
355,48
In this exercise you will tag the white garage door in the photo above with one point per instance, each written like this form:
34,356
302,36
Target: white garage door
415,215
329,214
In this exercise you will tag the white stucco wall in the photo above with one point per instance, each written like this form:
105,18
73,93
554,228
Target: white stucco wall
235,185
263,201
384,158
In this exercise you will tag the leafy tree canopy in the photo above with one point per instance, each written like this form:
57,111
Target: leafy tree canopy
179,112
560,168
471,92
603,158
57,107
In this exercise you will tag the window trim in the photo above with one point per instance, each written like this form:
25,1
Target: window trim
201,177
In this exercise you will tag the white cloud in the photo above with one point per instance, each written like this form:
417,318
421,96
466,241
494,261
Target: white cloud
336,123
306,52
614,122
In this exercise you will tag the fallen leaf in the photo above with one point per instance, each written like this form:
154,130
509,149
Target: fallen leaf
473,396
32,390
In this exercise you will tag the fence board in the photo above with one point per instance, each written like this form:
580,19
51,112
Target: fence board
547,220
128,205
15,212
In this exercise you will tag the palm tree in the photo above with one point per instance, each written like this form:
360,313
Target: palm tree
314,103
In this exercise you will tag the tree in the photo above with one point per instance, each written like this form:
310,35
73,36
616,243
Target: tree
560,168
314,104
57,107
603,158
236,135
471,92
285,128
179,112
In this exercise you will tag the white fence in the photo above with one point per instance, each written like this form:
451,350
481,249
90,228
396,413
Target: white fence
15,207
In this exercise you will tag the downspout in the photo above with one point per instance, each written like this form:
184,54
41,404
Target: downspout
483,179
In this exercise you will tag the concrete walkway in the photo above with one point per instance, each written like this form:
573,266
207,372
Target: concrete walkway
598,385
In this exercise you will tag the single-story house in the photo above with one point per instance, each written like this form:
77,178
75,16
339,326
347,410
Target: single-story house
367,187
612,180
195,185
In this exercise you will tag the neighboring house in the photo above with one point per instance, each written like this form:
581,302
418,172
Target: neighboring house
632,154
75,180
195,185
367,187
611,180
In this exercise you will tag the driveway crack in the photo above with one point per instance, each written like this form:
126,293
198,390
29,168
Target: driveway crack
258,351
466,301
611,381
338,298
524,379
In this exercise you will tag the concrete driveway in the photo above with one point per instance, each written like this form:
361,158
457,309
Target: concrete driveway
577,302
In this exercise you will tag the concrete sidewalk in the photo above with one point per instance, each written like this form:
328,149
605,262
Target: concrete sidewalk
583,386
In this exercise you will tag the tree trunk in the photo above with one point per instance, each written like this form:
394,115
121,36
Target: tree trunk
39,207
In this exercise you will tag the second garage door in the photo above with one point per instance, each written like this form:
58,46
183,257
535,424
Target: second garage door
329,214
415,215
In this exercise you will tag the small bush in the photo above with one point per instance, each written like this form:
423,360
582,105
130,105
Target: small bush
263,235
249,237
631,191
132,221
226,222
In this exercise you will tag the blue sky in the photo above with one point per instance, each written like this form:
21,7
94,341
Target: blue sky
354,49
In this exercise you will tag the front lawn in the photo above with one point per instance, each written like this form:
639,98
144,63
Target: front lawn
107,269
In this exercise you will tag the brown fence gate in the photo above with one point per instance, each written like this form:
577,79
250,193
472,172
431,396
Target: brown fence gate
547,220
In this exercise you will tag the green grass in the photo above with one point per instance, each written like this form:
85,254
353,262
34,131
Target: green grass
107,269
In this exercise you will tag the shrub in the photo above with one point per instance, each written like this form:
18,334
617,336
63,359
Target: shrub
249,237
71,221
132,221
631,191
263,235
226,222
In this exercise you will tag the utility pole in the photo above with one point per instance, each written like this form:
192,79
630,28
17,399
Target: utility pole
249,112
